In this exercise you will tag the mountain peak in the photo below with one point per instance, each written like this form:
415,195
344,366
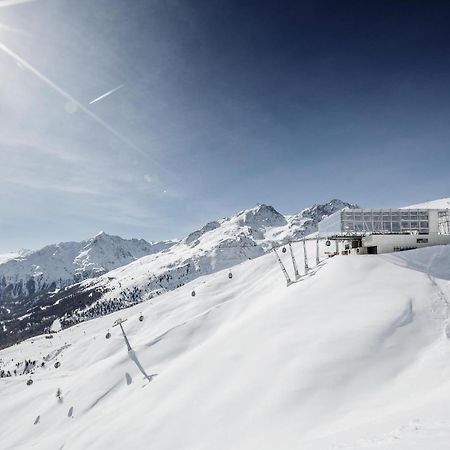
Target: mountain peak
261,215
102,235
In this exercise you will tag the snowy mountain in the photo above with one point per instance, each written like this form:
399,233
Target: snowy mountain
59,265
13,255
218,245
28,275
355,356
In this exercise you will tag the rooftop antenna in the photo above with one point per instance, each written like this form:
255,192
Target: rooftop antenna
119,323
294,263
305,256
283,269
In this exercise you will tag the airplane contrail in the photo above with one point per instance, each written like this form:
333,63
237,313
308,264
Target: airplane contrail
4,3
68,97
106,94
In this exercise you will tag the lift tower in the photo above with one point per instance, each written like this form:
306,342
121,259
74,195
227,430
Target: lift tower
119,323
294,263
317,251
283,269
306,257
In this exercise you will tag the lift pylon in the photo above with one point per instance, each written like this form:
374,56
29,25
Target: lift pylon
317,251
294,263
120,322
306,257
283,269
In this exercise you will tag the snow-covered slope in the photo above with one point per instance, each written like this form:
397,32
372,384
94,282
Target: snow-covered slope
443,203
13,255
354,356
218,245
27,278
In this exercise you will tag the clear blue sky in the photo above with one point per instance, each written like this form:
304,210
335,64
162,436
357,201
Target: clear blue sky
224,104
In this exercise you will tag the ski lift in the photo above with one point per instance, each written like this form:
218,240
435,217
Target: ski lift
283,249
193,293
141,318
230,275
328,243
57,364
29,382
108,335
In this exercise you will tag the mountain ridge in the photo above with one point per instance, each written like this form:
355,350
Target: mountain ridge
100,285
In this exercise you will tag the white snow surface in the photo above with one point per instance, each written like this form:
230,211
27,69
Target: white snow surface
13,255
8,256
443,203
356,356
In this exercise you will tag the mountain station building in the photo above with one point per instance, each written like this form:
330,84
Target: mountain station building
372,231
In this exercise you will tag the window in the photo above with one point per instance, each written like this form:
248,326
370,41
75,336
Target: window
422,241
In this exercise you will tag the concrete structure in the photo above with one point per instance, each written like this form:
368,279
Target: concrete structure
371,231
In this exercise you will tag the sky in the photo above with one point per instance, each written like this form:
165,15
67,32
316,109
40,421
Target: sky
220,105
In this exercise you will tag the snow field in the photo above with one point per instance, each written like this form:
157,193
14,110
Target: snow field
352,356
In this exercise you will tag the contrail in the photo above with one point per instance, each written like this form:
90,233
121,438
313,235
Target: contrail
106,94
67,96
4,3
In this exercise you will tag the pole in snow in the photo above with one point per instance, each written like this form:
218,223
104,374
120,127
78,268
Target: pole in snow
120,322
305,256
317,251
294,263
283,269
337,246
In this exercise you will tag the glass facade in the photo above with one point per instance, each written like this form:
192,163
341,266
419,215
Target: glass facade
376,221
331,224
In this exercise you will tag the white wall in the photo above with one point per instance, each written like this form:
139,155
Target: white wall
388,242
433,220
